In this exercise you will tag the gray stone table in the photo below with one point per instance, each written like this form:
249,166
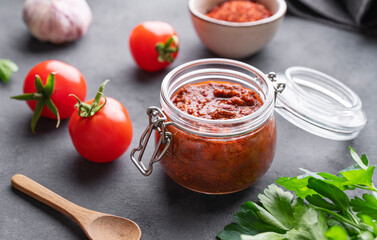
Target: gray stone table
163,209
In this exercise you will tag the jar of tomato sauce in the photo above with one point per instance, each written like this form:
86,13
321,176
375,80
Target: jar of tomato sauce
207,151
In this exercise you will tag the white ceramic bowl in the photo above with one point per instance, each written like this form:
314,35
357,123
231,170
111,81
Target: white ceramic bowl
231,39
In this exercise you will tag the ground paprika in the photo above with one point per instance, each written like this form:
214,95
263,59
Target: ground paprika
239,11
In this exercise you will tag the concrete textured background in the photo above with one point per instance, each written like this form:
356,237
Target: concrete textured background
163,209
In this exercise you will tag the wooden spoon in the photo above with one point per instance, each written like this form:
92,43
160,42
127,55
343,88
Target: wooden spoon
96,225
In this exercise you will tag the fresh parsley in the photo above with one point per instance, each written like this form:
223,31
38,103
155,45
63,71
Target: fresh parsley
320,210
7,68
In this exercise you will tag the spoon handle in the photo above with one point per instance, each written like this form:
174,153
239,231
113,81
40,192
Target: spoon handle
48,197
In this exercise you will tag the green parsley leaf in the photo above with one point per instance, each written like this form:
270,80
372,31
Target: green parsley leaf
247,222
310,225
336,233
297,185
365,236
363,163
247,218
368,206
329,176
359,178
265,236
369,221
7,67
337,196
278,209
253,219
279,204
267,217
318,201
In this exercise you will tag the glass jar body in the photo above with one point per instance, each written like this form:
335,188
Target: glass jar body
220,165
211,155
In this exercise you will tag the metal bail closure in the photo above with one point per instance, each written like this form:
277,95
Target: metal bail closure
157,121
279,87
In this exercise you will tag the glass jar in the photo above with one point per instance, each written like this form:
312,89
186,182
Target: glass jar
225,156
217,156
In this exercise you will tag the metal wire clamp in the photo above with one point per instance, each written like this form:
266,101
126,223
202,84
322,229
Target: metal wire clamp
279,87
157,121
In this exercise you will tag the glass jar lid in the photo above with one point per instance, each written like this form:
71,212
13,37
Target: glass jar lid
319,104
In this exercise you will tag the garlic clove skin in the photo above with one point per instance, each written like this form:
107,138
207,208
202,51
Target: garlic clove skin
57,21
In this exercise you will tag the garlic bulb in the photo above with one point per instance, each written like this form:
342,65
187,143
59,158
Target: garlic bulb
57,21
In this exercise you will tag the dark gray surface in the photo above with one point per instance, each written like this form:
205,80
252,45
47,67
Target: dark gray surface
163,209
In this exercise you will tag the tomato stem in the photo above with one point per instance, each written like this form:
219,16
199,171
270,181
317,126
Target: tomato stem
43,98
86,110
167,49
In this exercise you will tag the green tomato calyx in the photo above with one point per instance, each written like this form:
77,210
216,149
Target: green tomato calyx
167,49
43,98
86,110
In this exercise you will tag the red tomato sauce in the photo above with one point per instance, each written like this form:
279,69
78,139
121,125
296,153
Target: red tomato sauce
217,100
239,11
218,165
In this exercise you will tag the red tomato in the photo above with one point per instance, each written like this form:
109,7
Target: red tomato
68,80
154,45
103,137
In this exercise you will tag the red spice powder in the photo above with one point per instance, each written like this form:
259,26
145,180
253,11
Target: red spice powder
239,11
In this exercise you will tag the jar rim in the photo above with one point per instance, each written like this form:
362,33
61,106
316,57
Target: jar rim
250,122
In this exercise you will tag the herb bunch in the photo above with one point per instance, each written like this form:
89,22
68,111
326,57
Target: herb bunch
320,210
